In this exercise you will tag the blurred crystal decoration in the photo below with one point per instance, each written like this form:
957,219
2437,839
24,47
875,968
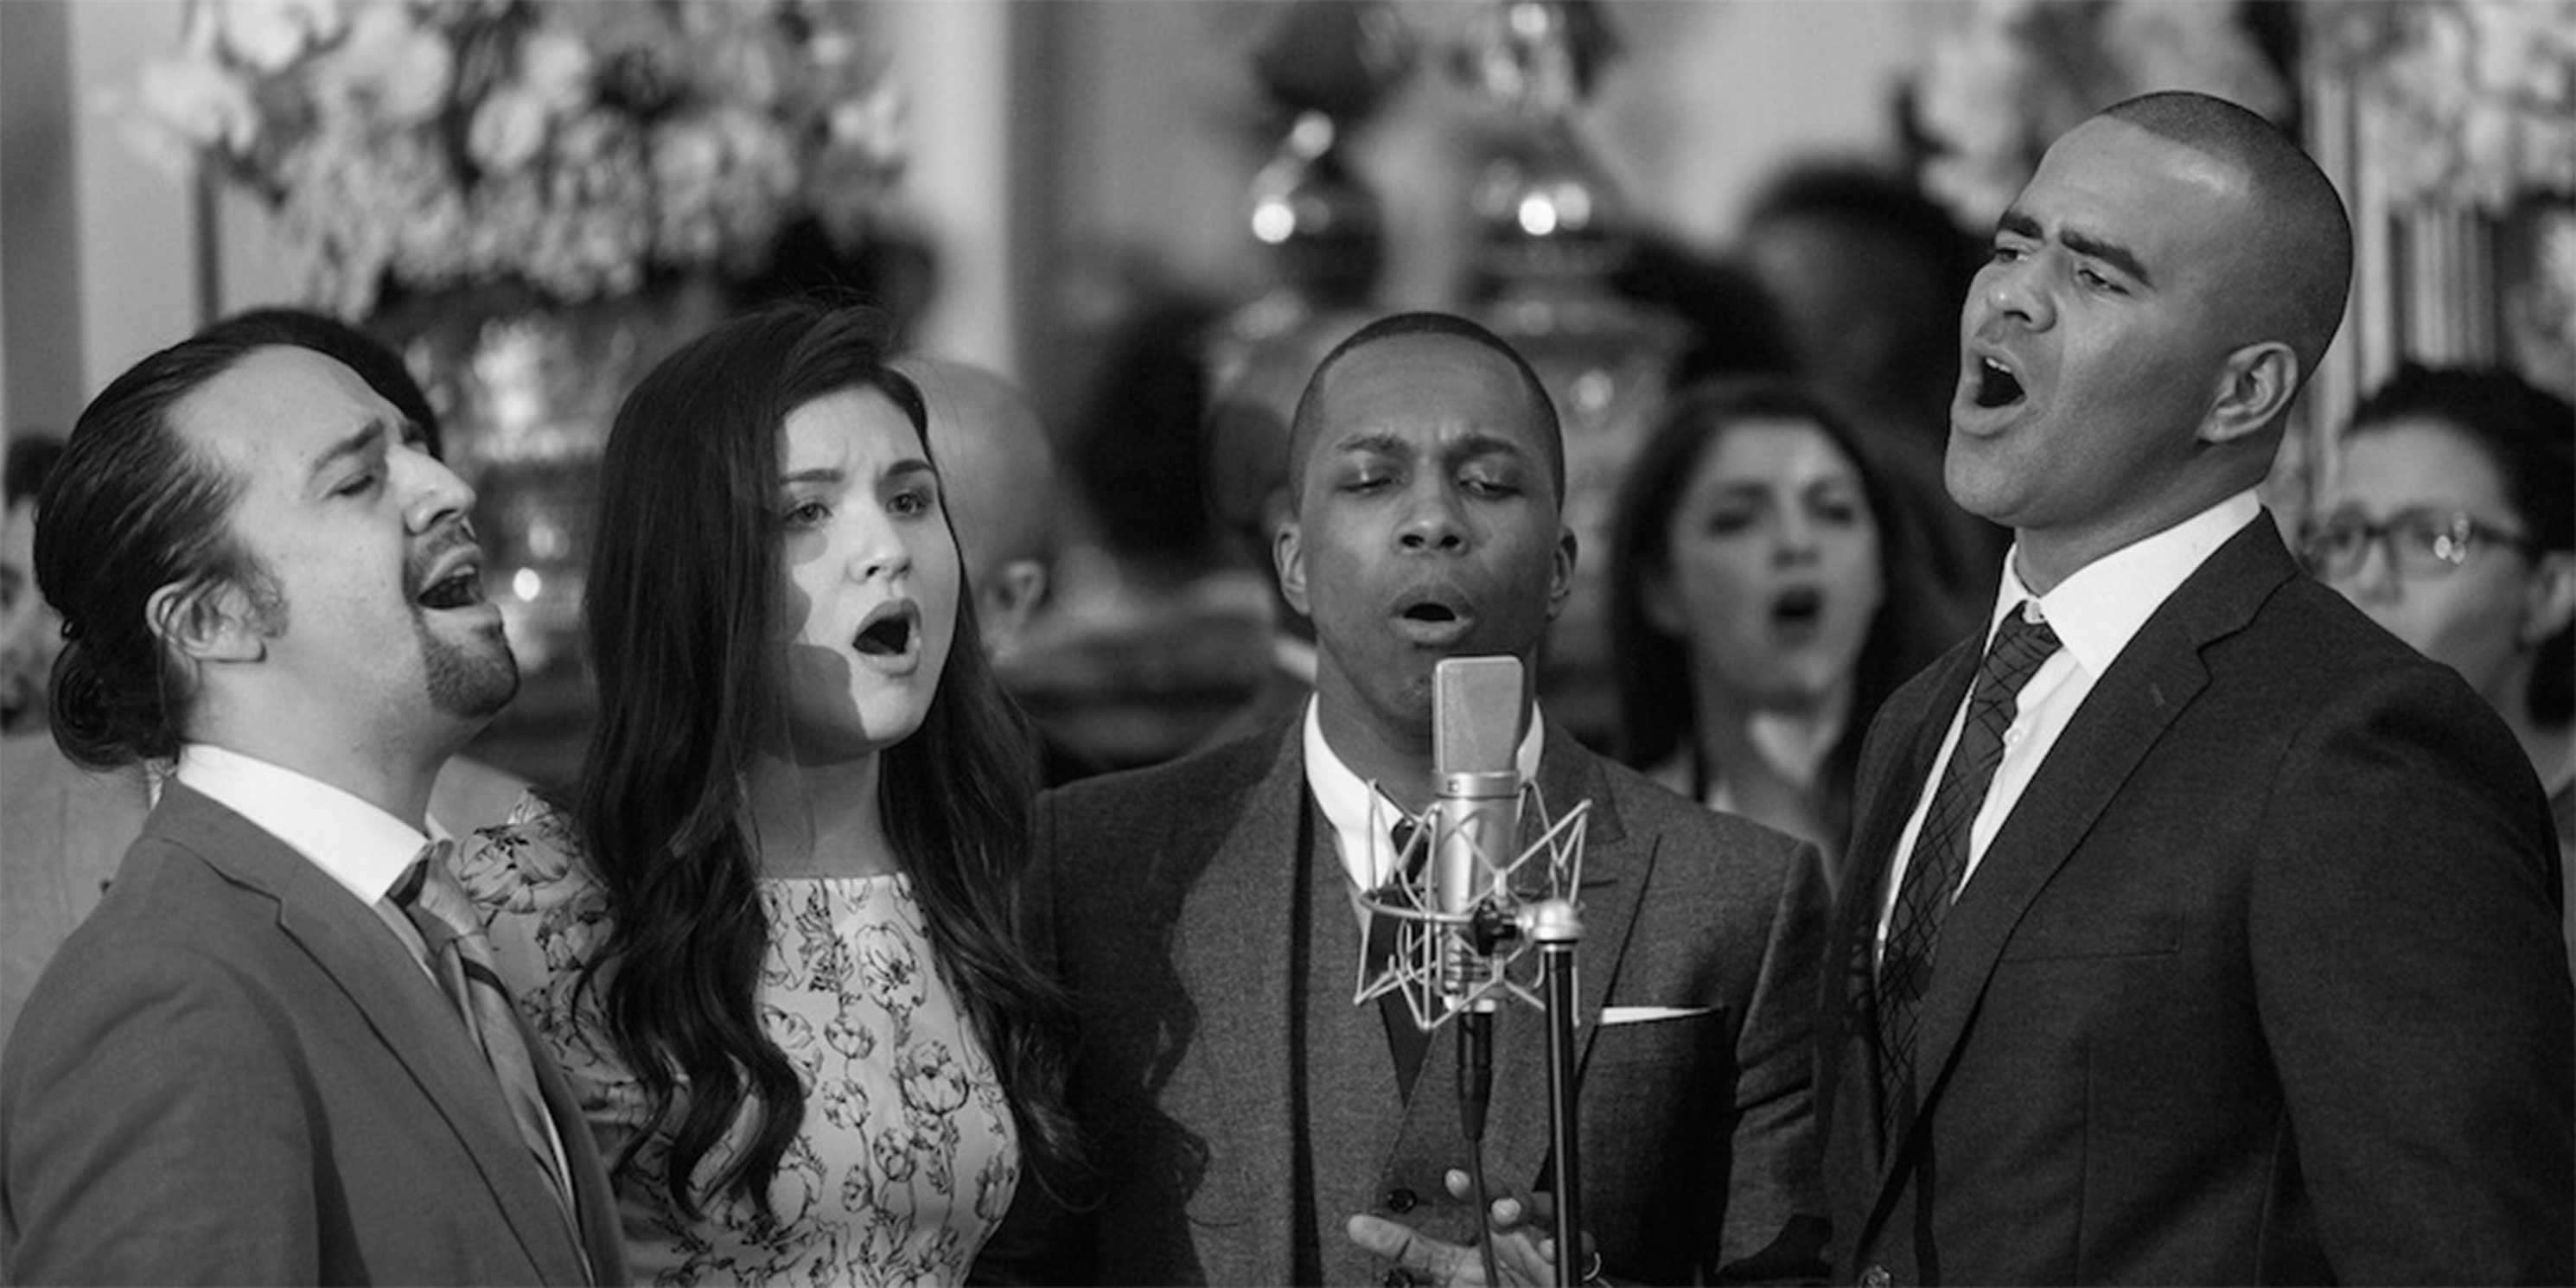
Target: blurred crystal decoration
1550,229
1324,66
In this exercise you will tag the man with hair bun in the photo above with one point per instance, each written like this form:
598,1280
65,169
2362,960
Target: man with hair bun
2198,931
264,1058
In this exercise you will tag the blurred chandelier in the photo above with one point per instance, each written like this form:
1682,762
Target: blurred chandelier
1550,228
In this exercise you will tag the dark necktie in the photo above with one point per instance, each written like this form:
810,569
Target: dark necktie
461,955
1940,855
1405,1041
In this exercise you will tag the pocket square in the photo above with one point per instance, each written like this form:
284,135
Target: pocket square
1645,1014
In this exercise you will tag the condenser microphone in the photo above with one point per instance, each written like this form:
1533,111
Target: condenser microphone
1475,745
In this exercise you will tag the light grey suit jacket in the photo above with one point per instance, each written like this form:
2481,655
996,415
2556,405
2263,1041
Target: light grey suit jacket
234,1072
1237,1119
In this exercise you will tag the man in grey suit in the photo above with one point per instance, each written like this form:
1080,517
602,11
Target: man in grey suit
261,1059
2200,932
1248,1123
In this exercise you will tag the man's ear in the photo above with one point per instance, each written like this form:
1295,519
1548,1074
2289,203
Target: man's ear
1560,572
2548,596
2254,385
1005,603
206,620
1288,554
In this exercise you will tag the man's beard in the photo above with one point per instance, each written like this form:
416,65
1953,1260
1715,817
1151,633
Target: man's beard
469,678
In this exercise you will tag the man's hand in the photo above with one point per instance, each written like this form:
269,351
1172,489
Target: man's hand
1524,1254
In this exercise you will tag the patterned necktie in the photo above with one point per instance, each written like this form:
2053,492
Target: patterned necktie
1405,1041
1940,854
461,954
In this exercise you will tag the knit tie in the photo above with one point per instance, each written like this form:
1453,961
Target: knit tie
1940,856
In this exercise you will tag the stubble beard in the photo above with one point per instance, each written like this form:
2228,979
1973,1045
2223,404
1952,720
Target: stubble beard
472,678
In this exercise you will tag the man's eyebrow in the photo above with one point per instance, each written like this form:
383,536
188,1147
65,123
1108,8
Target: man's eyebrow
1484,444
2019,223
365,438
2113,254
1372,441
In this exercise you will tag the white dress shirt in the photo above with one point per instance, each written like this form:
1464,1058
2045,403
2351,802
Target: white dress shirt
1363,819
2096,612
356,844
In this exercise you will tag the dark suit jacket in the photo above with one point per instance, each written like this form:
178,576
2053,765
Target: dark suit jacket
1219,1096
234,1072
2259,982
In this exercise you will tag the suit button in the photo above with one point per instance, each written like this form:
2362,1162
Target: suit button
1398,1279
1876,1277
1400,1200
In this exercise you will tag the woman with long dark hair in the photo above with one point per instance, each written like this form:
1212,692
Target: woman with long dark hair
769,940
1762,605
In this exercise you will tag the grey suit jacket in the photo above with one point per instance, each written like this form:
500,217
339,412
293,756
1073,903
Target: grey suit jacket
234,1072
1166,897
2259,982
63,830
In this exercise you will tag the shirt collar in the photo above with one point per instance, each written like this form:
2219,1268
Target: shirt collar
2098,610
358,845
1357,808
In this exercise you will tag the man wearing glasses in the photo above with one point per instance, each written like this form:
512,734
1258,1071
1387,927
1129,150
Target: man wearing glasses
2449,522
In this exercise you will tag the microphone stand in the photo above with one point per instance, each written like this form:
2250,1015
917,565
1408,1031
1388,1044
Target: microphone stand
1476,1067
1556,928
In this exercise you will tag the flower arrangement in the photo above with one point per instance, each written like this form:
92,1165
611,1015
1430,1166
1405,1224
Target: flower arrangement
573,146
2015,74
2475,99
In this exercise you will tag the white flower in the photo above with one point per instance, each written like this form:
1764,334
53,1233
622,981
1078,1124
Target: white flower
873,123
269,34
556,69
573,147
198,101
508,130
402,70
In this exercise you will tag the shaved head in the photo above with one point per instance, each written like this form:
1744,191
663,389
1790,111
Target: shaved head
2295,263
996,463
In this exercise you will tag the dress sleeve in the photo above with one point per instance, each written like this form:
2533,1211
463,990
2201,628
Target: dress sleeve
547,916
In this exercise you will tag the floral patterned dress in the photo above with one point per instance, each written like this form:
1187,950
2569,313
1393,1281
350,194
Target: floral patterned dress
907,1156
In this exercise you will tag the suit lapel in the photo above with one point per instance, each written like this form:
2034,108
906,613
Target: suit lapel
2129,709
1614,878
595,1204
399,1001
1235,932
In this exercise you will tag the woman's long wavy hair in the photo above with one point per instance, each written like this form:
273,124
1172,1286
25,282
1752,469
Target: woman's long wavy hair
683,618
1653,671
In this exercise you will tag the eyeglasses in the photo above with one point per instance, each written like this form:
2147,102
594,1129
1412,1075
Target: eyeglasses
2421,543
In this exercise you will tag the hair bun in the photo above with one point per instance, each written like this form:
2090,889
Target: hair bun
83,710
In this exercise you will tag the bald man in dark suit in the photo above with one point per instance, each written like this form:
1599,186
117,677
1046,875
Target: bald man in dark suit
2198,931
